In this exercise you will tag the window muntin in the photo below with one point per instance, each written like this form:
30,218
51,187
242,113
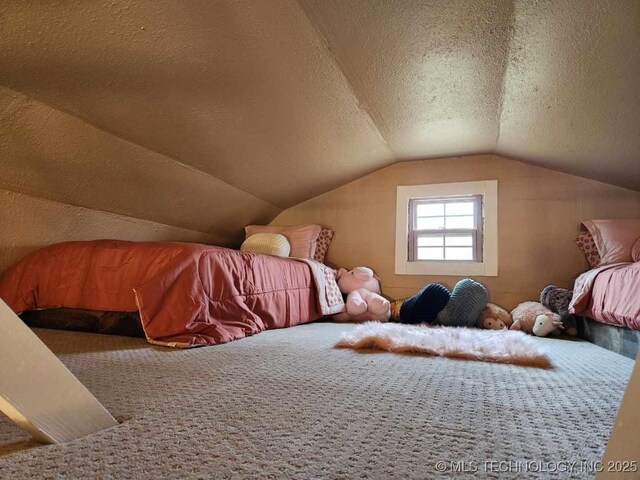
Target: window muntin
445,229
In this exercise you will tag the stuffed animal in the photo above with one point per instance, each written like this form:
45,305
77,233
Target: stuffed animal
557,300
468,299
494,317
432,303
533,317
423,307
364,301
435,304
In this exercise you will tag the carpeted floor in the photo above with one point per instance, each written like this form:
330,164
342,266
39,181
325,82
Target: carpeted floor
286,404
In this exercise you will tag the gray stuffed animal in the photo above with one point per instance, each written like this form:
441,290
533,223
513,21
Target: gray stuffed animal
557,300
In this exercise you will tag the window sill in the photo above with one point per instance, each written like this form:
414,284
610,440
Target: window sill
478,269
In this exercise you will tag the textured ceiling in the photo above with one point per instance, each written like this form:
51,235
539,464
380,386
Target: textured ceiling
429,73
572,88
212,114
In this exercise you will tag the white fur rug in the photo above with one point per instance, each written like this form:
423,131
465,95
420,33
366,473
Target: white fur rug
502,346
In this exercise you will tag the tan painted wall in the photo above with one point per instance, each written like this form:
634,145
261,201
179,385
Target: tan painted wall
539,212
29,223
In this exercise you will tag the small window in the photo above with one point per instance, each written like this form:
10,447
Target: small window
445,229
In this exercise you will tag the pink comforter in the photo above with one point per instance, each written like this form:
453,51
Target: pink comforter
187,294
609,294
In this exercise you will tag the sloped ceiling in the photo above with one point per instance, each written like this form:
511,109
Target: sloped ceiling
212,114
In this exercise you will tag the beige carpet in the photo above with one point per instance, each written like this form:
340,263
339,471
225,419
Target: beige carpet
285,404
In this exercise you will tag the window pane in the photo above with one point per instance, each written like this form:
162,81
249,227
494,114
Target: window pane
459,253
430,253
431,241
433,223
430,209
460,222
453,240
461,208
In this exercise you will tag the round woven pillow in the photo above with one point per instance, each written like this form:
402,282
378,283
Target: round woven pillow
635,251
468,299
267,244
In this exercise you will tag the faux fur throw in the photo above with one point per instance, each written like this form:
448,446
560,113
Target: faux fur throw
502,346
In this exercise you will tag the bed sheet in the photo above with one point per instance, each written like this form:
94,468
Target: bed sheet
187,294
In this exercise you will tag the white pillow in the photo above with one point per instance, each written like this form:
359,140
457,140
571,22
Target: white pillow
267,244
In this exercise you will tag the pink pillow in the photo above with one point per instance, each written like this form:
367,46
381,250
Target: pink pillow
635,251
302,238
584,240
322,244
614,238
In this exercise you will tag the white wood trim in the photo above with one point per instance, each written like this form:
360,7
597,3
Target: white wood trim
623,447
489,265
38,392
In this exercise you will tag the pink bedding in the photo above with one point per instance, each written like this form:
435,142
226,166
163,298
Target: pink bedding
609,294
187,294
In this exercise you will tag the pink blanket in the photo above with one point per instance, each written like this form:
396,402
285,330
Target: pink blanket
609,294
187,294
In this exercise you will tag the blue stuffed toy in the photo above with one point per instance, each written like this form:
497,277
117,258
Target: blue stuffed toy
435,304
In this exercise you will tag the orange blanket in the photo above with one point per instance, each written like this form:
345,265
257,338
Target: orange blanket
187,294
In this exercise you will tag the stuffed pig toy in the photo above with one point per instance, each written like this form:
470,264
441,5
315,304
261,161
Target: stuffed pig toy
364,301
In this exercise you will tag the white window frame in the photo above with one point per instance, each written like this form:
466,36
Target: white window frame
487,267
475,232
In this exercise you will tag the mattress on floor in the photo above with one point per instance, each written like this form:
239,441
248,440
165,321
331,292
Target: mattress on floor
609,294
89,321
286,404
187,294
617,339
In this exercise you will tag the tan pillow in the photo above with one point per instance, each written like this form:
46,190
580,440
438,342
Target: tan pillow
302,238
267,244
635,251
614,238
322,244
